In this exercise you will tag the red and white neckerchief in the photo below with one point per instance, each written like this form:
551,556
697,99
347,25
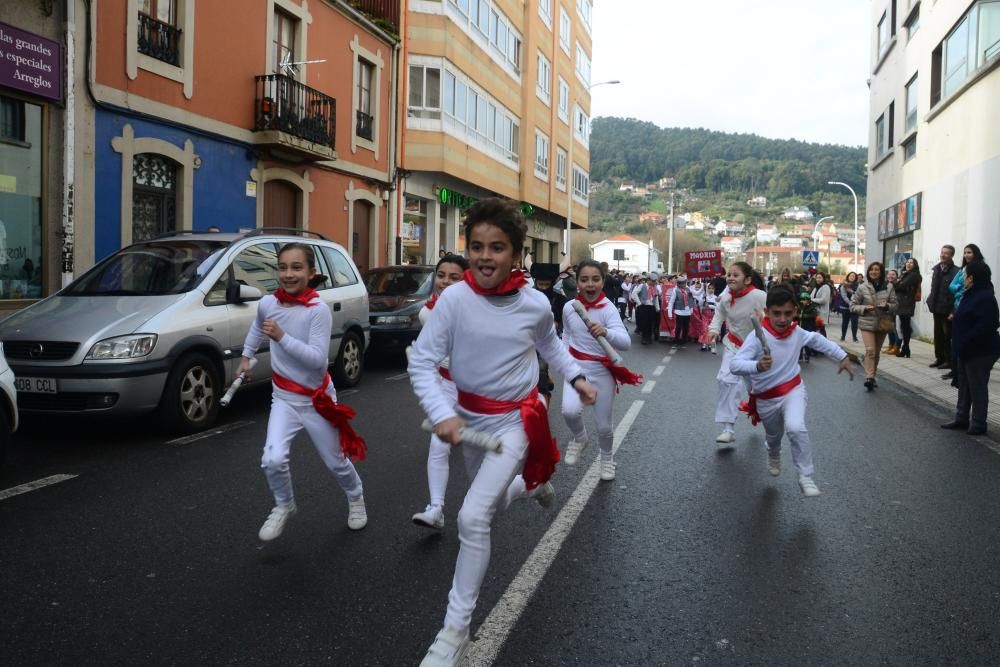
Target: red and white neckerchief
431,302
598,303
766,323
515,281
304,298
736,295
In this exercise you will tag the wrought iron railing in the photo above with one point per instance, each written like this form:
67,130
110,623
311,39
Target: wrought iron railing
159,40
384,10
364,125
286,105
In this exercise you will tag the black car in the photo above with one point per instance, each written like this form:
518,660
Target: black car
395,296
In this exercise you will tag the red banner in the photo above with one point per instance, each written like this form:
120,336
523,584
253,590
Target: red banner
703,263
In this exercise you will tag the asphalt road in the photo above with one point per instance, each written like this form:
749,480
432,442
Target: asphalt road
150,554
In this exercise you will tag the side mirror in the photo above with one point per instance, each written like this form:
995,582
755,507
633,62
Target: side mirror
237,293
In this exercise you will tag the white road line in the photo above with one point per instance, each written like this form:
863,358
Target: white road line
346,392
659,371
648,385
673,351
195,437
666,359
989,444
33,486
401,376
502,618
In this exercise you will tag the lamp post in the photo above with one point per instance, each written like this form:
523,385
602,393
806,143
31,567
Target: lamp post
855,195
816,231
569,168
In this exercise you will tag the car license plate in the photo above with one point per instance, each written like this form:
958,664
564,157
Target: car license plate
36,385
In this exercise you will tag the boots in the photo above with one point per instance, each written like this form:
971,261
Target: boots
892,350
904,351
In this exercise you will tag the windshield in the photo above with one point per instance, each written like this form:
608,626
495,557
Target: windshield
150,269
399,282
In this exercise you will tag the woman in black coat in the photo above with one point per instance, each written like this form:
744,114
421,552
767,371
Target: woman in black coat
906,302
975,346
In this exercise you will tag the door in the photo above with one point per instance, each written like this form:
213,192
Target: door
281,200
361,243
154,196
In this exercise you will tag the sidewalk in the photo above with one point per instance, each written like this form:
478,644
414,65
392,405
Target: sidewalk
916,375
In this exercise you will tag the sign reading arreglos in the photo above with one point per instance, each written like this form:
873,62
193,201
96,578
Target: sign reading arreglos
460,201
31,63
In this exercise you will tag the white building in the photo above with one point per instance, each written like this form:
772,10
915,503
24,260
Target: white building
799,213
627,254
767,233
731,245
791,242
934,139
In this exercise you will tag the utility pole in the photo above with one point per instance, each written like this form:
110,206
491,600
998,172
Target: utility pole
670,242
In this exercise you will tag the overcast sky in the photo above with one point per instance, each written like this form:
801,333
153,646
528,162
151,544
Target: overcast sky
778,68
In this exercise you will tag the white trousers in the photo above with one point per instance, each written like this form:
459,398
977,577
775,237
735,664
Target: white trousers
787,414
731,389
491,474
438,456
572,406
283,425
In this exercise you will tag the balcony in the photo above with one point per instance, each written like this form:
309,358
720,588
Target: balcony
383,13
294,120
159,40
364,125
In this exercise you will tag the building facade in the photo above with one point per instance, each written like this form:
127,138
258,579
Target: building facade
934,155
496,102
627,254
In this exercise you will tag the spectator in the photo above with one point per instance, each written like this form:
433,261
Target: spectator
875,304
970,253
893,278
847,290
821,297
975,348
941,303
719,283
907,296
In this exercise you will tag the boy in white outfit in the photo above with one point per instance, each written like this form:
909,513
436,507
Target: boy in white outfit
777,395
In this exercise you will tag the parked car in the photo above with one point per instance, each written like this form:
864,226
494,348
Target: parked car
395,296
159,326
8,406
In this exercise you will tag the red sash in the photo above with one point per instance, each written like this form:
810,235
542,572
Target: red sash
352,444
735,339
543,453
750,407
445,373
621,374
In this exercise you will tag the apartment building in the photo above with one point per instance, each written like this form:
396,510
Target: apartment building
496,102
934,156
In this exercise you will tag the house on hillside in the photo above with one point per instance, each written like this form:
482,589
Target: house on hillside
652,218
757,202
734,228
767,233
791,242
720,227
731,244
667,183
798,213
627,253
626,187
694,225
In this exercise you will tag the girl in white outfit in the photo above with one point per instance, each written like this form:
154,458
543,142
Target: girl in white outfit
740,301
449,271
582,343
298,324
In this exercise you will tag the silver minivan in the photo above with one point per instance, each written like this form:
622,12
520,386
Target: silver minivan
159,326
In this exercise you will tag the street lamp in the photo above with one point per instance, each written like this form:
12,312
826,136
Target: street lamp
855,217
569,168
816,231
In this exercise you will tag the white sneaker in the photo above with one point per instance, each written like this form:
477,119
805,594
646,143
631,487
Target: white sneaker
808,486
727,437
714,351
774,462
357,516
432,517
573,451
448,649
607,470
276,521
546,495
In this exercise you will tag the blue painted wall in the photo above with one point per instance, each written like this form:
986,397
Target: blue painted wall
219,184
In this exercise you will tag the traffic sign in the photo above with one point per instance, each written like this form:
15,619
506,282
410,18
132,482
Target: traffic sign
810,257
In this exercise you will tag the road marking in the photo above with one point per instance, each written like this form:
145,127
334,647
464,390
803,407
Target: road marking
195,437
659,371
647,386
673,351
989,444
401,376
346,392
502,618
666,359
33,486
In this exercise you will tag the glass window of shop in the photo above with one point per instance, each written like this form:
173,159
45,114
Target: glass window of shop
443,231
20,199
414,231
896,251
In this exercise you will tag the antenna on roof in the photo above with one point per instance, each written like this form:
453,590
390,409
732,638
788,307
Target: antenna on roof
287,65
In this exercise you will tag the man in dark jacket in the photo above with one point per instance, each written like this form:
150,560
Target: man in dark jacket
941,303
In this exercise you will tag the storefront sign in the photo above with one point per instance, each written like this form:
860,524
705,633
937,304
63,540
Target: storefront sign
462,202
901,218
31,63
703,263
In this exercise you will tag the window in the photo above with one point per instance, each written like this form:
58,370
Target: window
158,35
581,184
21,202
343,273
543,86
581,126
425,92
477,119
910,148
488,24
564,30
257,266
884,132
11,120
545,11
972,44
564,100
284,43
560,168
541,156
365,113
911,104
413,231
886,29
912,23
582,64
585,9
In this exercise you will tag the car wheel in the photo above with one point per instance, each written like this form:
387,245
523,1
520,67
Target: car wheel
349,364
191,397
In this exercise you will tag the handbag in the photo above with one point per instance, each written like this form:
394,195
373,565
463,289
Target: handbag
885,324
